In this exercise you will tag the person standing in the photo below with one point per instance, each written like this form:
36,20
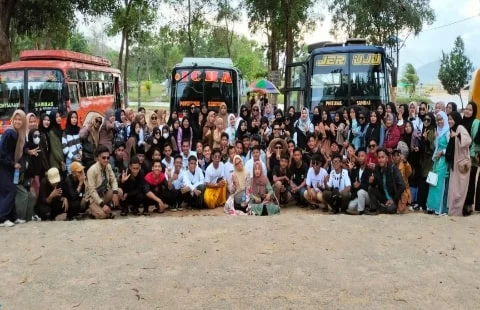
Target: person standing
457,156
72,147
471,124
11,151
436,200
57,159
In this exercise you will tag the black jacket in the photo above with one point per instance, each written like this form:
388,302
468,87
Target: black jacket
354,176
70,188
134,186
394,181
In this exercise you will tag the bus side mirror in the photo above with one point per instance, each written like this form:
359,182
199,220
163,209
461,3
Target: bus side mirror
394,77
65,92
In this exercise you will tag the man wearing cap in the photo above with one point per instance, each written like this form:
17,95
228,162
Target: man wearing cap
102,192
52,200
75,188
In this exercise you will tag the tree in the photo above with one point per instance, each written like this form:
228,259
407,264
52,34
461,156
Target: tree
410,78
48,23
455,69
78,43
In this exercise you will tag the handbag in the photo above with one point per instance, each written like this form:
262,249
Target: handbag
432,178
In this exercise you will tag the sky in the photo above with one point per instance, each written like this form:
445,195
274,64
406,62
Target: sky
420,50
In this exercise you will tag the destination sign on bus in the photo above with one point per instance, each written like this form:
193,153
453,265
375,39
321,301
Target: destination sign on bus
366,59
331,60
213,76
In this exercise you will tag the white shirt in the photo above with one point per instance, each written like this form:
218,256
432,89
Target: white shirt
185,159
228,169
249,166
339,180
168,165
212,174
316,181
178,183
193,180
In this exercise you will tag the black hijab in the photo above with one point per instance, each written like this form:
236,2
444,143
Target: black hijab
467,122
57,130
42,128
72,129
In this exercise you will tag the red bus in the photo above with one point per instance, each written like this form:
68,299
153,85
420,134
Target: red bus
44,80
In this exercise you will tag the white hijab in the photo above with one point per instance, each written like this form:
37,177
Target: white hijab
441,130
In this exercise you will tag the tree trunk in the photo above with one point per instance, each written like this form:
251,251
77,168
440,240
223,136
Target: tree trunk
125,71
120,56
461,100
273,50
6,11
289,42
191,51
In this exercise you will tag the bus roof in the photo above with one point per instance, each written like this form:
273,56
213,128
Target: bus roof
55,64
64,55
349,48
206,62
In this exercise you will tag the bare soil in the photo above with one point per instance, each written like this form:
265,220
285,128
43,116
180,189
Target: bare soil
301,259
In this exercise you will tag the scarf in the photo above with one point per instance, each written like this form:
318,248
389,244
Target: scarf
441,131
259,184
70,129
241,176
467,122
21,134
54,127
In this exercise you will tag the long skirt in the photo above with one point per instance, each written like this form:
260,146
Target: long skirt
215,197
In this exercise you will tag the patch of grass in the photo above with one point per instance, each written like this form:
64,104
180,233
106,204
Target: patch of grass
157,92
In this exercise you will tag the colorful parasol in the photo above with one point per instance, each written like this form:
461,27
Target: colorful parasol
264,86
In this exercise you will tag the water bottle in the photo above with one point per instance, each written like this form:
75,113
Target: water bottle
16,176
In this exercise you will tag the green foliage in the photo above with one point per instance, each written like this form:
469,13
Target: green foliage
410,78
455,69
407,100
148,87
379,20
78,43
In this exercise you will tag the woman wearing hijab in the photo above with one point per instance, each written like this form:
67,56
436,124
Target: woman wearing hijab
402,116
32,123
238,186
471,124
437,195
244,116
231,129
222,112
72,147
426,148
197,128
339,128
90,135
242,130
458,158
185,132
451,107
44,151
134,144
259,188
303,126
392,133
107,130
11,150
375,129
269,113
57,159
173,117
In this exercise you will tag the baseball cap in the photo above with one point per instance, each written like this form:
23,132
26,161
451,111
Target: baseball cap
53,175
76,167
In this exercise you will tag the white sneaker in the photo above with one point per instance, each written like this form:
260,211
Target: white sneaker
7,223
36,218
19,221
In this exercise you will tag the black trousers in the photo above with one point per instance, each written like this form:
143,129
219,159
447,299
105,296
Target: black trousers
339,203
134,199
422,193
51,211
473,192
168,197
378,200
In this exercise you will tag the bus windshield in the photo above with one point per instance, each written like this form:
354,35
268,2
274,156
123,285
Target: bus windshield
348,76
43,91
202,85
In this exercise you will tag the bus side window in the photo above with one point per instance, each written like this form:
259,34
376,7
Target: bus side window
102,89
89,89
83,91
73,90
96,89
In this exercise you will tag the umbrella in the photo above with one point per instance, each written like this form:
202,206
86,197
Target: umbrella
264,85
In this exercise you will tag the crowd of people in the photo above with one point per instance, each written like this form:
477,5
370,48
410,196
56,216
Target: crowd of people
394,159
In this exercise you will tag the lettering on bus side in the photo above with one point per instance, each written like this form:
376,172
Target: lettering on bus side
49,104
333,103
9,105
331,60
363,102
366,59
208,76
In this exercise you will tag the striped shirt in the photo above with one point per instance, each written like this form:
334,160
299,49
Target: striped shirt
71,145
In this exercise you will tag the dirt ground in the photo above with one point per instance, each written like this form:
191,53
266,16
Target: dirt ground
301,259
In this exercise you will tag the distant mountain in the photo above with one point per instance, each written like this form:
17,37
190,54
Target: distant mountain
428,73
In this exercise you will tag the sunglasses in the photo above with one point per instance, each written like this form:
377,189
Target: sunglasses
256,110
278,147
315,163
36,136
105,157
372,146
157,133
98,121
153,118
422,109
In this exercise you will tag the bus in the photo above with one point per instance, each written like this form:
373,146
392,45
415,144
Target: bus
211,81
474,90
338,75
46,80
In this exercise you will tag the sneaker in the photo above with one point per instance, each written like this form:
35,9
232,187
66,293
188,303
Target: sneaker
20,221
7,223
179,207
173,208
36,218
352,211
